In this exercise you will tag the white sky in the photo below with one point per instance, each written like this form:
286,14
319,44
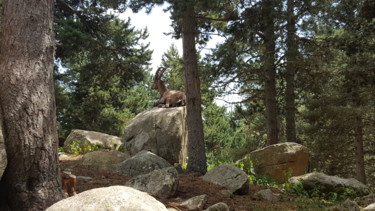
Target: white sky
157,23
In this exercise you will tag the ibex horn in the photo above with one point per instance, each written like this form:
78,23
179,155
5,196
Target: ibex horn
158,73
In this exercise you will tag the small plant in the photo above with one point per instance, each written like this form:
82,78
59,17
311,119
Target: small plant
295,188
184,166
248,167
77,148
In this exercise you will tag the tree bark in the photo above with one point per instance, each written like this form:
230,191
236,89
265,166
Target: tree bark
270,73
291,57
358,136
196,146
32,178
360,161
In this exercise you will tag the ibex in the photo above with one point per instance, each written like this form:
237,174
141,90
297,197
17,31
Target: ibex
168,98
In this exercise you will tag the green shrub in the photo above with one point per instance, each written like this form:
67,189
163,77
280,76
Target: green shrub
319,193
77,148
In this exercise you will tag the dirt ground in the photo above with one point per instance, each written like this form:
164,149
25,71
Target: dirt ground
189,186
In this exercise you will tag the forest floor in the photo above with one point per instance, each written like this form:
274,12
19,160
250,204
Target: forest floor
190,186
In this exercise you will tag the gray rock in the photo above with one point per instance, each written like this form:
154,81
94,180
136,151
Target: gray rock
3,155
195,203
142,163
266,194
230,177
162,183
221,206
366,200
103,160
110,199
288,159
370,207
347,205
328,183
159,130
82,137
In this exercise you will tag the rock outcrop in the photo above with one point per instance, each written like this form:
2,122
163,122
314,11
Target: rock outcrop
162,183
280,161
109,198
104,160
84,137
159,130
3,155
326,183
142,163
230,177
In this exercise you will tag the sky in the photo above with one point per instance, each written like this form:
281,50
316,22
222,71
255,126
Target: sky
157,23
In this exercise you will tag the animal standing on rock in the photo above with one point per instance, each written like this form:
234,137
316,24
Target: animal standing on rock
168,98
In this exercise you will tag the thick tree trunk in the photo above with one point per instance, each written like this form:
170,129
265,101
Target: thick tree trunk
291,57
196,146
32,179
270,74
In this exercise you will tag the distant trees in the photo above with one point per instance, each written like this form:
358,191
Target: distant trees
32,179
340,109
101,72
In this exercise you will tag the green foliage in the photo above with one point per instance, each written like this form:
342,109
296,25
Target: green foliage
247,166
101,77
321,194
77,148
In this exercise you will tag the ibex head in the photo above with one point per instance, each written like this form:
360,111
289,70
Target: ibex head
167,97
157,78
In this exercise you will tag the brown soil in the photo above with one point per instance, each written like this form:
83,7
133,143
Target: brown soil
189,186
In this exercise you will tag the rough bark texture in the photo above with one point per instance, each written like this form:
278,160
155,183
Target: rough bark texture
196,147
270,73
291,56
32,180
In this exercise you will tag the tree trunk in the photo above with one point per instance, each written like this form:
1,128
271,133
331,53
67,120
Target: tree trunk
196,146
360,162
32,179
291,57
270,73
358,136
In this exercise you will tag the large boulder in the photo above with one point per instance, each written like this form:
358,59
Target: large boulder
370,207
230,177
3,155
104,160
83,138
109,198
159,130
326,183
280,161
162,183
142,163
